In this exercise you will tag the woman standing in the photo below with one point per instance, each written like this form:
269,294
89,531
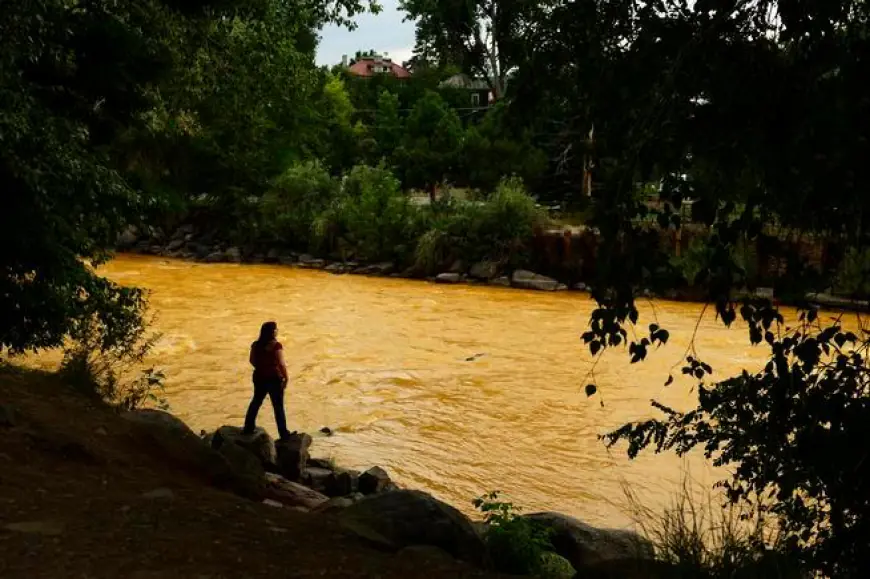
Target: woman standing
270,377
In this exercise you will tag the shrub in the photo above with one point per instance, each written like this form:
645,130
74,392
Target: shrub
516,545
295,200
853,276
498,229
370,220
104,370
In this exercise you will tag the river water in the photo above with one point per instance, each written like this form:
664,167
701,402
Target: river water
384,362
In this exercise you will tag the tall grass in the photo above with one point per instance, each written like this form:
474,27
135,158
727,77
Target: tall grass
696,536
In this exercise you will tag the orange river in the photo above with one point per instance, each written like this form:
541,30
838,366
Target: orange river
384,362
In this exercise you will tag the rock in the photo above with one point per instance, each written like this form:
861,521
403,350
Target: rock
128,238
292,494
272,256
335,504
338,268
214,257
178,444
316,478
175,245
287,260
448,278
502,281
8,416
233,255
342,482
292,455
374,480
585,546
326,430
405,518
272,503
159,494
458,266
484,270
246,466
580,287
50,528
384,268
183,232
529,280
258,443
323,463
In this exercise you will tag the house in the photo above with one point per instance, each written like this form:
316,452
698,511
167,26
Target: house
369,65
479,93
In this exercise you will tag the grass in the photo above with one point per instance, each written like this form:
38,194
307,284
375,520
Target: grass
697,537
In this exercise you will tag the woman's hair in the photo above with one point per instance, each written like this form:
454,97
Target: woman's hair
267,333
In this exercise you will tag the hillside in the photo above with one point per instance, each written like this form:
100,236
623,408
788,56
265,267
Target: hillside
84,494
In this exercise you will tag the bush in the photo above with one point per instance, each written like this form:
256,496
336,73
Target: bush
370,220
853,276
295,200
498,229
516,545
102,370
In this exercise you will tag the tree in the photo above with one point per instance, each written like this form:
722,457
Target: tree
484,37
755,112
388,124
433,138
96,97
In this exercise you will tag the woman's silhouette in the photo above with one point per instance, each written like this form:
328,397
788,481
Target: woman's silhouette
270,378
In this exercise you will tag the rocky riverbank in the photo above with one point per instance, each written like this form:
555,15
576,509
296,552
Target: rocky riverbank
187,244
282,474
97,494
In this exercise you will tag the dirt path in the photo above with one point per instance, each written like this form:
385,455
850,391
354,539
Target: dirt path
81,497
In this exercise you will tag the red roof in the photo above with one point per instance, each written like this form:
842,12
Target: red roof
372,66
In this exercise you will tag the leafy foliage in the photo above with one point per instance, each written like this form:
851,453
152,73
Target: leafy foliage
431,145
297,198
516,544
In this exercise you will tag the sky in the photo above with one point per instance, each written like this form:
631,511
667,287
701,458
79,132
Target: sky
385,33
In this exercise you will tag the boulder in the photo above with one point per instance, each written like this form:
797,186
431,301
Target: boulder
324,463
128,238
316,478
233,255
292,455
246,467
448,278
586,546
503,281
287,260
530,280
384,268
457,266
342,482
374,480
258,443
175,245
272,256
292,494
339,268
335,504
484,270
214,257
177,443
405,518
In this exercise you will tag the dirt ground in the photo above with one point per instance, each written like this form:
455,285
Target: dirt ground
82,496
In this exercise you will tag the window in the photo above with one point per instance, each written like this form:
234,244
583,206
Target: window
475,99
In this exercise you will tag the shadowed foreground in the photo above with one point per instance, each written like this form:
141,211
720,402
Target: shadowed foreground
83,494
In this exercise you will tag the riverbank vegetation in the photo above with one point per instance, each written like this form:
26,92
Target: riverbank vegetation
161,113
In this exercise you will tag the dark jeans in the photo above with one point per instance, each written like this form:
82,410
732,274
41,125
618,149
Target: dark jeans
275,390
